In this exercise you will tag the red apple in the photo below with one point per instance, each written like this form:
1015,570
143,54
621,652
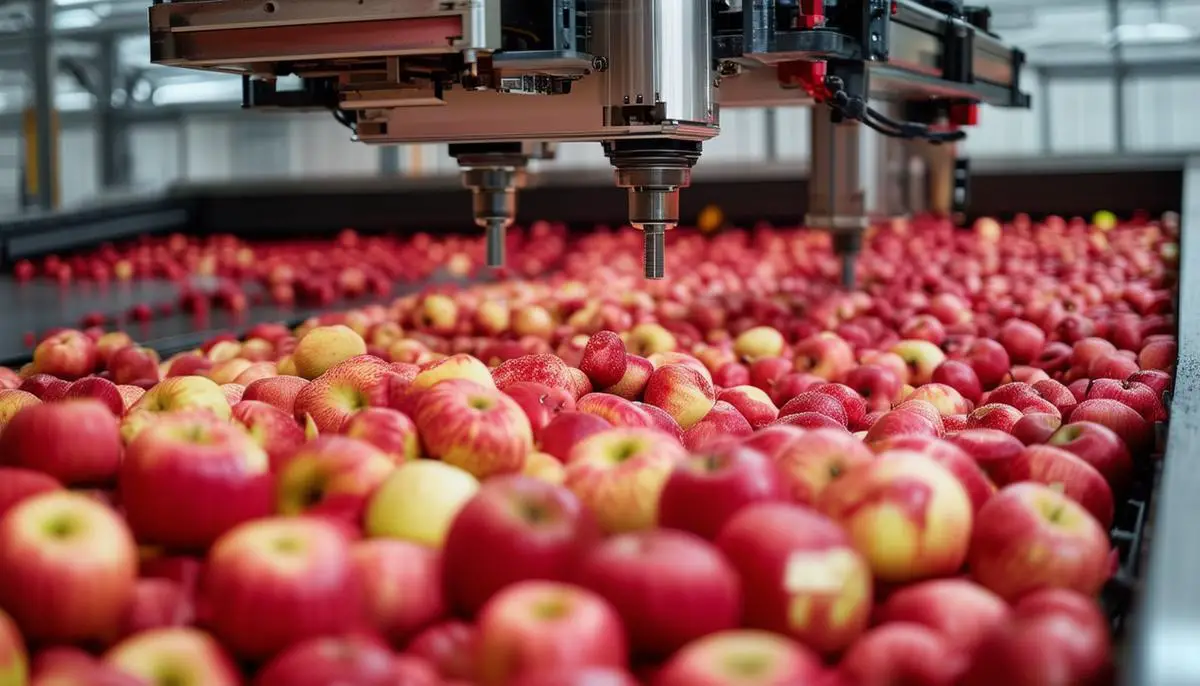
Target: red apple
723,421
478,429
578,676
669,587
818,459
604,359
451,646
274,582
540,402
619,474
902,653
705,491
537,625
616,410
67,568
34,439
388,430
743,657
540,531
788,557
326,660
991,449
1066,472
99,389
330,476
158,604
188,478
989,359
401,585
1137,396
1025,515
1036,428
280,391
559,437
962,612
1022,340
17,484
269,427
994,416
1100,447
174,654
1137,433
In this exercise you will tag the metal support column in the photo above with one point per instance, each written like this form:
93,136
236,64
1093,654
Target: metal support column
389,160
836,198
42,56
112,134
1119,74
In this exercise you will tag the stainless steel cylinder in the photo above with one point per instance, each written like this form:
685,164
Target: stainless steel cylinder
659,56
494,204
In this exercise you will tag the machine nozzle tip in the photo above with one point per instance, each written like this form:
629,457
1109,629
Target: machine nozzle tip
494,234
654,243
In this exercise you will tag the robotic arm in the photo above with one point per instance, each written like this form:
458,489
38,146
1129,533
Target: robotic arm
497,78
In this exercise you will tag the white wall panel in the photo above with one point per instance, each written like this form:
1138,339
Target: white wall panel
321,147
209,149
792,133
1081,116
155,151
1161,113
77,165
743,138
1004,132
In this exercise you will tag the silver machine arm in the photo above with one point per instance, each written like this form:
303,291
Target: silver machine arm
501,80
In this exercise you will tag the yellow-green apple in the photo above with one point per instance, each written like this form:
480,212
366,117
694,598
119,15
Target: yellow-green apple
99,389
188,478
77,442
1030,516
110,343
921,357
45,387
158,603
452,647
185,364
535,625
668,587
351,659
820,403
752,402
219,350
1067,473
1137,396
620,473
969,474
184,392
994,416
14,662
492,317
174,655
961,377
533,320
1035,428
546,369
1100,447
17,484
991,449
459,366
325,346
477,428
544,467
67,355
1123,420
390,431
902,653
757,342
614,409
961,611
826,355
276,581
1022,340
280,391
436,313
559,437
682,391
577,676
136,364
944,398
801,576
233,393
1056,636
908,516
419,501
709,488
773,440
746,657
541,403
604,359
258,350
648,338
275,432
67,568
900,423
286,366
339,393
332,476
989,359
402,586
633,382
540,531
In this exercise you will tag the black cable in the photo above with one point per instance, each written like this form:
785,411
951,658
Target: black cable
856,108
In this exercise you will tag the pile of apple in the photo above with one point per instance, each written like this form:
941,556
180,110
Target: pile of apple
740,476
